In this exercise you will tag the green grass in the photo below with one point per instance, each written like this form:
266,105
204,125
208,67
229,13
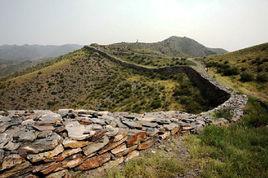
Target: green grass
150,165
240,150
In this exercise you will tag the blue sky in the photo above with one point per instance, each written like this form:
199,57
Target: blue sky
230,24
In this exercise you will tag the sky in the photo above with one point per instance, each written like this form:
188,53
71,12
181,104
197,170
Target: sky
229,24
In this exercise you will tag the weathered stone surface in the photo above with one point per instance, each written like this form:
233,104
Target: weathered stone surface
165,135
64,112
111,131
170,126
7,122
112,145
44,127
132,155
76,130
131,124
175,130
48,168
11,161
125,152
136,138
11,146
94,162
69,143
162,121
120,136
41,145
18,170
50,118
95,146
2,155
4,139
145,145
149,124
29,135
119,149
46,155
67,153
97,121
71,163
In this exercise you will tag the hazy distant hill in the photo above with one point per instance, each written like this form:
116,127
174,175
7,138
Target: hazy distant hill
14,58
32,52
174,46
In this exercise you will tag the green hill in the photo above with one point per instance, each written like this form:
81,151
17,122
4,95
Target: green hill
245,70
85,79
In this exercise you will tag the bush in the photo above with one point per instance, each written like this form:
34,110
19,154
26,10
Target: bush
246,76
262,77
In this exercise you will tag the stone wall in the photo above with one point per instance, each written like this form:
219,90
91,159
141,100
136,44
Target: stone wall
214,93
44,143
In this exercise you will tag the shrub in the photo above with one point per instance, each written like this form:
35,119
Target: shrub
246,76
262,77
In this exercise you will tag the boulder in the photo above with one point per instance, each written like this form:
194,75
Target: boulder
50,118
67,153
29,135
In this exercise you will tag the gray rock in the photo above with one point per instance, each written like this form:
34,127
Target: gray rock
91,148
97,121
131,124
170,126
50,118
111,131
4,139
11,146
149,124
162,121
44,144
76,130
64,112
2,155
27,136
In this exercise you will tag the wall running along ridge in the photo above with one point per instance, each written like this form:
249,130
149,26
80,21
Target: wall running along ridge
44,143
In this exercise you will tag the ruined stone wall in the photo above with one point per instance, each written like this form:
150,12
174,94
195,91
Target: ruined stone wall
44,143
214,93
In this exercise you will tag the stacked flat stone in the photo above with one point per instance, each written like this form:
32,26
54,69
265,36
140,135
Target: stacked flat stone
45,143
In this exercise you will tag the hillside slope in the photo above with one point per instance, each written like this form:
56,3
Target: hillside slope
245,70
84,79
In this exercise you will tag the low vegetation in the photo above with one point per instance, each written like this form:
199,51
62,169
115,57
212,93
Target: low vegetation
240,150
245,70
84,79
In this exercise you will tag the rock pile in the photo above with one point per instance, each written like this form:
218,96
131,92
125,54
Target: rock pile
45,143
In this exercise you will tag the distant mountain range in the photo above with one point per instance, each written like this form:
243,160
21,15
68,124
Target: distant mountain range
33,52
14,58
